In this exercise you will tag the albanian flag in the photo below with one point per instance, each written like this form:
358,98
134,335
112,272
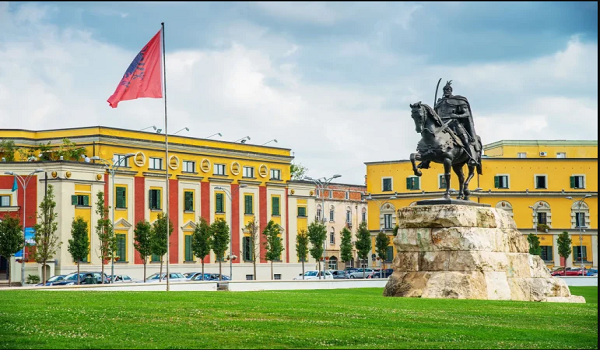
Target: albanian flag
143,77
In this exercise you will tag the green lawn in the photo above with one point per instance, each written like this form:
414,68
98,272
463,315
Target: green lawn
358,318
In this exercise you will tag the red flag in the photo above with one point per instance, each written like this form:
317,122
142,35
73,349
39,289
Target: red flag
143,77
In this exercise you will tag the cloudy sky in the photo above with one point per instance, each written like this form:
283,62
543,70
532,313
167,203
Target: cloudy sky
331,81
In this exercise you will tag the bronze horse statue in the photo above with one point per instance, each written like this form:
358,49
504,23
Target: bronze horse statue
439,144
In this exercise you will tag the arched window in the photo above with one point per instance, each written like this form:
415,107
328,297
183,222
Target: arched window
349,215
504,205
364,214
333,263
580,215
387,219
319,212
541,214
331,213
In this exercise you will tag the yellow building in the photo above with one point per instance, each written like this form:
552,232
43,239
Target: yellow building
530,179
207,178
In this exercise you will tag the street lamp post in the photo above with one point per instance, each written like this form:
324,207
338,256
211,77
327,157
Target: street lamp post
112,168
579,202
24,182
229,195
380,203
322,183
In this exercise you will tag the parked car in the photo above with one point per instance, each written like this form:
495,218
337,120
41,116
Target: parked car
592,272
359,273
377,273
84,278
570,272
215,277
121,279
315,275
350,269
200,277
191,275
51,280
173,277
339,274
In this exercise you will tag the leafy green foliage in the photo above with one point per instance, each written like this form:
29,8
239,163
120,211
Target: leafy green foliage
297,171
534,244
346,245
79,245
382,241
47,241
363,241
201,240
273,243
11,239
252,230
564,245
302,245
142,241
220,240
8,149
104,230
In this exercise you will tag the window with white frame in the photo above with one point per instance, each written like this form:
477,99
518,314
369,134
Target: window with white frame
541,181
4,201
275,174
387,221
521,155
189,166
331,216
155,164
386,184
120,160
561,155
542,214
332,236
577,181
219,169
501,181
580,215
319,212
413,183
249,171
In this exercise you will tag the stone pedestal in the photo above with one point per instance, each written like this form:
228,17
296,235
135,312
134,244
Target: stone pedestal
468,252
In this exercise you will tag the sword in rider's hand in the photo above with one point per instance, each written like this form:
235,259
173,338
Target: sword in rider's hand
436,90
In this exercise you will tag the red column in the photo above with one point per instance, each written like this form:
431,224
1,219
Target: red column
174,218
262,200
139,187
287,228
205,207
235,221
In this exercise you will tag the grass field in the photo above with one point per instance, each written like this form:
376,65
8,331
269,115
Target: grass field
346,318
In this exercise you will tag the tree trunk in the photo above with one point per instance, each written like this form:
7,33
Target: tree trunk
102,275
8,274
271,270
43,269
220,273
160,271
302,268
145,270
254,263
319,264
202,268
78,277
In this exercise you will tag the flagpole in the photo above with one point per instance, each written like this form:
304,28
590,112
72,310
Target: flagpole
168,219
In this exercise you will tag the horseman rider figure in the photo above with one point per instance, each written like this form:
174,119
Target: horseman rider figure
457,108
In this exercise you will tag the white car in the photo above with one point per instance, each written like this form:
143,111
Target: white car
314,275
173,277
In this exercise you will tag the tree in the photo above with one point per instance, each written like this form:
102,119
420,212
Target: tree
346,245
201,241
79,245
534,244
395,230
47,241
8,149
363,242
252,229
317,232
220,240
104,229
302,247
142,241
564,247
381,244
159,238
11,240
297,171
273,243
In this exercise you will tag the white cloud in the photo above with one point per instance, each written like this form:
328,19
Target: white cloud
313,12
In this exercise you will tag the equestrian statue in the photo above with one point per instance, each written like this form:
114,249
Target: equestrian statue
447,137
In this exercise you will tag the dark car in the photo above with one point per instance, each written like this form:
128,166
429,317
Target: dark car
84,278
386,273
215,277
200,277
339,274
52,280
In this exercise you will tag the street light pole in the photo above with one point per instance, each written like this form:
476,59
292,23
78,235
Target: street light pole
322,184
579,227
24,183
380,203
112,168
229,195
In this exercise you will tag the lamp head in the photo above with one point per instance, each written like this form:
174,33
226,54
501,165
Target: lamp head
9,173
243,186
95,158
158,131
569,197
187,129
336,176
39,171
218,188
587,196
219,134
129,155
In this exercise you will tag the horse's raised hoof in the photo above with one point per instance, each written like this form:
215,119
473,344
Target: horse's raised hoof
417,173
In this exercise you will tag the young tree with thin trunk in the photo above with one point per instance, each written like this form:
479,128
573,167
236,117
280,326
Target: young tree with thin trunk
534,244
363,242
79,245
273,243
381,244
346,245
317,232
252,229
220,241
11,240
159,238
302,247
142,241
104,229
47,241
202,241
564,248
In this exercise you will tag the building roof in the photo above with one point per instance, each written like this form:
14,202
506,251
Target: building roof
503,143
